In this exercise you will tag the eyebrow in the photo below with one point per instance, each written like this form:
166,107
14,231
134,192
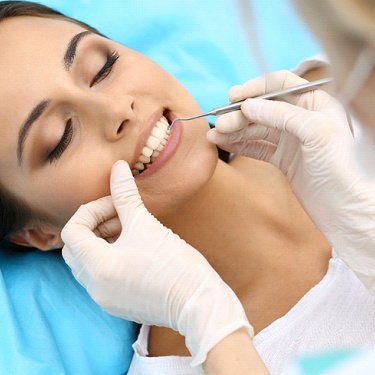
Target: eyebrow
72,48
25,128
42,106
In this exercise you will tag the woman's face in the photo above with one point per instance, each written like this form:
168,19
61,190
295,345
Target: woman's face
73,103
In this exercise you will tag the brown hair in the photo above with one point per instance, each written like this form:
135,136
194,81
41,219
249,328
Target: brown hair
14,214
10,9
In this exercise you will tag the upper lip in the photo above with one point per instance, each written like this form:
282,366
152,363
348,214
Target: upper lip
145,133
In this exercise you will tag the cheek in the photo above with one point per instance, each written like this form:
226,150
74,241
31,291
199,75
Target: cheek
71,190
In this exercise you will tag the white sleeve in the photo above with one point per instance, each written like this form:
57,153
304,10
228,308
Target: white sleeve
143,365
316,61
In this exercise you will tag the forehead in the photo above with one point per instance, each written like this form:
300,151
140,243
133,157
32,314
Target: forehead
31,34
27,42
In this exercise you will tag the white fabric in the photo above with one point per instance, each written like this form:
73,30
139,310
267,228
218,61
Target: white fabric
316,61
337,313
358,362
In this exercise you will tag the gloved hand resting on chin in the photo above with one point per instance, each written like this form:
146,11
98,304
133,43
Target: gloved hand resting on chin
307,136
149,274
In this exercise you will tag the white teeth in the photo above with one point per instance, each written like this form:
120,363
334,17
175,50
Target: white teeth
162,126
152,142
143,159
147,151
139,166
158,133
163,119
160,147
154,145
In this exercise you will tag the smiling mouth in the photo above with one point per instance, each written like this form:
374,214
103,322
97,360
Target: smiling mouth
153,147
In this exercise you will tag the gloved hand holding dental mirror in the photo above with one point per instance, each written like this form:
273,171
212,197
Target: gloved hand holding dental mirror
309,138
279,94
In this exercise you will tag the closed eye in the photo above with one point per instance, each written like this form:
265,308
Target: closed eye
68,132
55,154
106,69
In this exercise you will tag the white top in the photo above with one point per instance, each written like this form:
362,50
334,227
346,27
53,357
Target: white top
336,313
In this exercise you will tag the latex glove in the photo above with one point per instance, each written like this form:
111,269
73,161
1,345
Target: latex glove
149,274
308,137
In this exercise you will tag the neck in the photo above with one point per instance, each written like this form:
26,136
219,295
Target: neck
253,232
241,226
207,222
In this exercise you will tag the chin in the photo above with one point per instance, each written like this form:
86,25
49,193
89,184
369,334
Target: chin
167,191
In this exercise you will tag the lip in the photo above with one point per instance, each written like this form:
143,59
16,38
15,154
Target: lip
168,150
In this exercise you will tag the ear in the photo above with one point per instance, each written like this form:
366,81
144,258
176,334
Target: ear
43,237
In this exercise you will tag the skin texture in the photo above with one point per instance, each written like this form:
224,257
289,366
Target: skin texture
234,355
241,216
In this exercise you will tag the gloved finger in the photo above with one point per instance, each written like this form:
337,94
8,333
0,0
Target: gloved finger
267,83
125,194
231,122
221,139
86,259
109,229
284,117
83,249
250,133
261,150
82,224
253,148
132,213
234,92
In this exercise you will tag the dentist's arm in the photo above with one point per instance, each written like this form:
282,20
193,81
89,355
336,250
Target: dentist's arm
308,137
150,275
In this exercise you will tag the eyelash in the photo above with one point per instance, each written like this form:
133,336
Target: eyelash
106,69
68,133
64,142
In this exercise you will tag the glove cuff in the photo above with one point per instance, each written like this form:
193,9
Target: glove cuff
204,325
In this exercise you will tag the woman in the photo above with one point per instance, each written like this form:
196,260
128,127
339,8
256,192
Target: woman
76,103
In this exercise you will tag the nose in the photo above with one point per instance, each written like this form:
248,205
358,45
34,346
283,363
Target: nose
108,114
